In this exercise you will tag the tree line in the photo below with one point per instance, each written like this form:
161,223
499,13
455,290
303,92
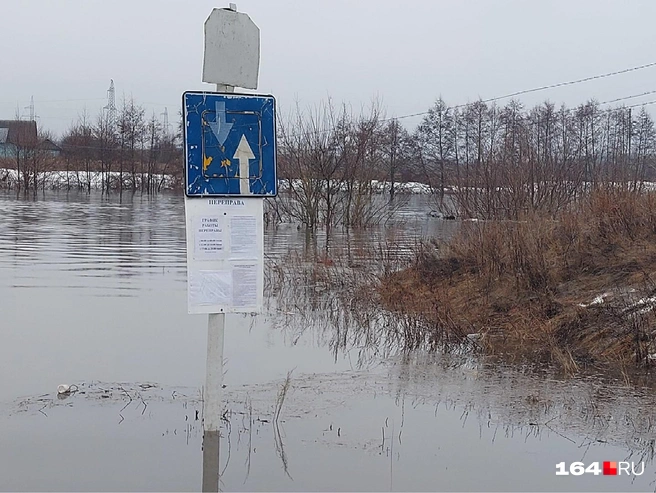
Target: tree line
128,152
329,162
133,152
480,160
501,162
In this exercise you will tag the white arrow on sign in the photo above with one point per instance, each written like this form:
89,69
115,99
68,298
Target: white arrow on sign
244,153
220,127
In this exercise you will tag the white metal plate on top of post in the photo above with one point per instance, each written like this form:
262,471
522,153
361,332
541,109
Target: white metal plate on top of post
232,49
225,255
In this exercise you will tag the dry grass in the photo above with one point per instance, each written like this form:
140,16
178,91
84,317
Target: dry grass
521,283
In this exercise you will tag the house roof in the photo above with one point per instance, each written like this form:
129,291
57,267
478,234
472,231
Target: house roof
18,132
48,145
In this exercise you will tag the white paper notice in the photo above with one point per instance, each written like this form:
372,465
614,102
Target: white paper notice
209,240
243,237
244,292
210,287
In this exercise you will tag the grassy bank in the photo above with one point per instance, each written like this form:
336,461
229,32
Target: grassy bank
577,289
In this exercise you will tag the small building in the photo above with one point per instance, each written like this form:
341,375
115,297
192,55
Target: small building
16,136
47,146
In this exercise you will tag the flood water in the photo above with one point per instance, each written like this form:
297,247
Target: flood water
93,293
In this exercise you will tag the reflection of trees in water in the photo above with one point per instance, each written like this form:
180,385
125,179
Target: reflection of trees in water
533,401
505,403
333,300
97,236
334,295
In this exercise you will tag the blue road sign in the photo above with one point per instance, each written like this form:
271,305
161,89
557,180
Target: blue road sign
230,144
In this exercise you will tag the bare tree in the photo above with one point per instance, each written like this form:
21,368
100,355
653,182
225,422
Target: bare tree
106,139
437,140
131,135
79,146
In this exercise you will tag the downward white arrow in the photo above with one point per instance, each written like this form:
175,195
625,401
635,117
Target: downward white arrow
244,153
220,126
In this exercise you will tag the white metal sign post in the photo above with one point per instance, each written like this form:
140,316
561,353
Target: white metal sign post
230,167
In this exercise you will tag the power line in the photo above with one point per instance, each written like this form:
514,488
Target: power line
537,89
628,97
569,83
544,88
642,104
58,100
489,100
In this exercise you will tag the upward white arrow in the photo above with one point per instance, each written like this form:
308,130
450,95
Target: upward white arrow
244,153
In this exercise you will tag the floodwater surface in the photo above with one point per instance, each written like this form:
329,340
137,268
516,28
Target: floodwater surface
93,294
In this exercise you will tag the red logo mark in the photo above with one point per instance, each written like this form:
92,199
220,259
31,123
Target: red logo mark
610,468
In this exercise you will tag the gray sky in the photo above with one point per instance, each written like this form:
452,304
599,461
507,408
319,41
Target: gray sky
407,53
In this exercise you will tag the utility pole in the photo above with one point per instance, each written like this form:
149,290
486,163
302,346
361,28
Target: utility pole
111,106
31,108
166,121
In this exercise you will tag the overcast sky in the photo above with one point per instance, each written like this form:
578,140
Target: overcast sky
407,53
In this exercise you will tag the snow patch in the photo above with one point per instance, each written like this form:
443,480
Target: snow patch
598,300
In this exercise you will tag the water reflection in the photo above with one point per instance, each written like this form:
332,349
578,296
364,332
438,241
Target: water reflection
93,289
411,424
211,461
104,244
451,427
